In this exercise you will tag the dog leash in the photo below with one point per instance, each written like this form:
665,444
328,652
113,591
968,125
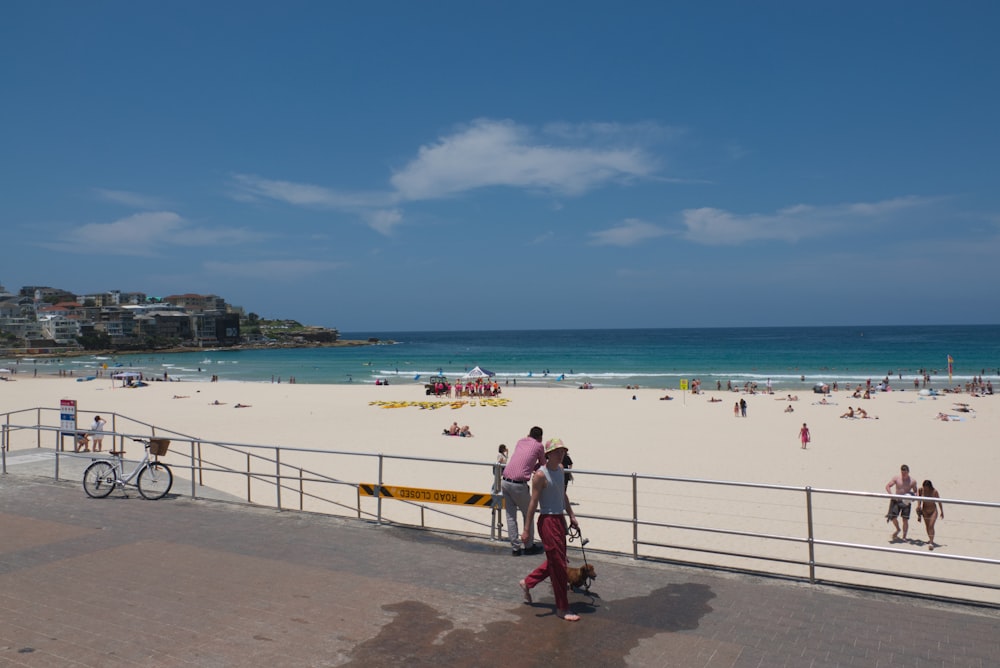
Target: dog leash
574,533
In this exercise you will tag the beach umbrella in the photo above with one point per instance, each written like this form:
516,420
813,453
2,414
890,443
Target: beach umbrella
127,374
479,372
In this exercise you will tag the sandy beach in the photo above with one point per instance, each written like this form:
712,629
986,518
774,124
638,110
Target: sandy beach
608,430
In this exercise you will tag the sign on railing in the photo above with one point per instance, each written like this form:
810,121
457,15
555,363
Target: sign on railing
426,495
67,416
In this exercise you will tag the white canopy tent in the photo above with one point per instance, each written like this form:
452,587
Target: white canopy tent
127,378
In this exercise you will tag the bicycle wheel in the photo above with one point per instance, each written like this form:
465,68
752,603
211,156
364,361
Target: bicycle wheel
155,481
99,480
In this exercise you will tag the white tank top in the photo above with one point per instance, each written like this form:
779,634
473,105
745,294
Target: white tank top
550,501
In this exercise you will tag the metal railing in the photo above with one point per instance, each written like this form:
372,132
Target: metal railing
808,534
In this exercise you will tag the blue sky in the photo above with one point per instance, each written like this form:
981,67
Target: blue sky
387,166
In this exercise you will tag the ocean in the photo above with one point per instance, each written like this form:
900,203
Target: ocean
792,358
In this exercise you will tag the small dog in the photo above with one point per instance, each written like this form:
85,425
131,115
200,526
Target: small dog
578,576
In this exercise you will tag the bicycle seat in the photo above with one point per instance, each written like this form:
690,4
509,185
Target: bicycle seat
116,452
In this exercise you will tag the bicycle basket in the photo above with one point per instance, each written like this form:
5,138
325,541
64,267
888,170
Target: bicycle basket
158,446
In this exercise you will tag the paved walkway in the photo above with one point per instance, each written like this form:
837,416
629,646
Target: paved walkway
128,582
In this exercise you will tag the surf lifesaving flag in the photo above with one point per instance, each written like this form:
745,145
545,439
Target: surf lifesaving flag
950,362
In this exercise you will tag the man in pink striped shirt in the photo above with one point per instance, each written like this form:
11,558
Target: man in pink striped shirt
529,456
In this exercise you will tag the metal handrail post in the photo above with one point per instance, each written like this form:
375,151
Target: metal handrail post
248,478
277,475
58,451
496,525
194,487
378,490
635,516
811,536
302,490
3,447
38,433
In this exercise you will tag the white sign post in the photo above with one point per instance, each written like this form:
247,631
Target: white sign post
67,419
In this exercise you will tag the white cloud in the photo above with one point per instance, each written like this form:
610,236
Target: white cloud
134,200
278,270
137,234
542,238
383,220
501,153
560,158
252,187
716,227
712,226
145,234
888,206
629,233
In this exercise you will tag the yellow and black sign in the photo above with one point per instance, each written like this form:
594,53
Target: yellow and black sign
426,495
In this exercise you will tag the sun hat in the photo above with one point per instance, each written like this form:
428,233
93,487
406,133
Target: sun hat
555,444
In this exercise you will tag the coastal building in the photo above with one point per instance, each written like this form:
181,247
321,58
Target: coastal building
197,303
44,317
46,294
20,327
60,329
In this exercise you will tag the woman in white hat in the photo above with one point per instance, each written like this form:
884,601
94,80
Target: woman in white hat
549,498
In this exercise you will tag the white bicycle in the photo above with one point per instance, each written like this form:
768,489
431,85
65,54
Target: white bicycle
152,477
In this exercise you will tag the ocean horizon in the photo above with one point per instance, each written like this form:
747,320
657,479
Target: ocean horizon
792,358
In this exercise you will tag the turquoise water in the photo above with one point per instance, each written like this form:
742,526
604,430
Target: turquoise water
793,358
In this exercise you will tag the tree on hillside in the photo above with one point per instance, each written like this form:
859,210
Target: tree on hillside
94,340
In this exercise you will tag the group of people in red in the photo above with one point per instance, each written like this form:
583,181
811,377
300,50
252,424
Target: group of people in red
480,387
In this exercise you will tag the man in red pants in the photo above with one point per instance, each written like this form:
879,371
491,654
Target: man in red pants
549,498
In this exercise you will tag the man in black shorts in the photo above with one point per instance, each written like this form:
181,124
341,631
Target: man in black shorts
905,486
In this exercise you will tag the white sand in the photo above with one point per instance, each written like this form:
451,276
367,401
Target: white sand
609,431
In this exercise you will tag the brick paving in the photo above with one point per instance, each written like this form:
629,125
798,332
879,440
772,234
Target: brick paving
181,582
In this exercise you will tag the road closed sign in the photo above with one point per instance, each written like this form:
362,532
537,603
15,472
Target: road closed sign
421,495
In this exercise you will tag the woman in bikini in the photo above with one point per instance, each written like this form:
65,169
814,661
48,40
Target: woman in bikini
927,511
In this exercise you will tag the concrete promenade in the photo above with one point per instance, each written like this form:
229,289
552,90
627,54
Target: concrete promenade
176,582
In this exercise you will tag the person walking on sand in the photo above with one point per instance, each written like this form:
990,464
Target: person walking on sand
804,435
900,505
549,498
97,433
743,407
529,455
929,511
